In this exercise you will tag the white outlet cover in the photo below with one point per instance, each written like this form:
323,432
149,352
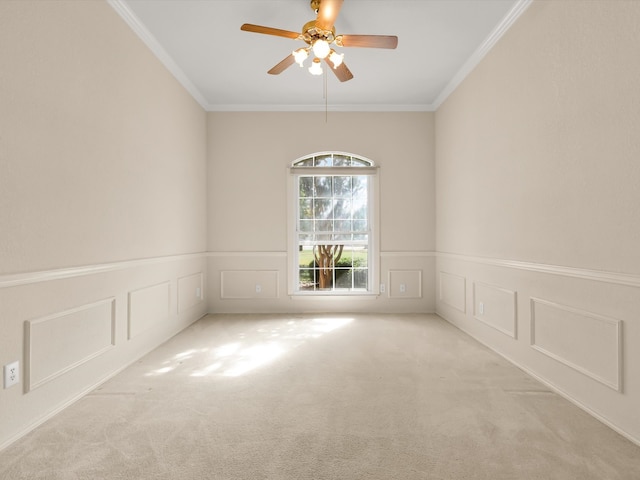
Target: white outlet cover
11,374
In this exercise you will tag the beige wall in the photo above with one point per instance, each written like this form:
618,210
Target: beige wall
102,178
538,174
543,137
99,145
248,213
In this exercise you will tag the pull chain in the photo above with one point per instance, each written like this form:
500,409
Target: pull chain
326,99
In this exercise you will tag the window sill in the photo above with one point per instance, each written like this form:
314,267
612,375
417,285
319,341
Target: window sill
341,295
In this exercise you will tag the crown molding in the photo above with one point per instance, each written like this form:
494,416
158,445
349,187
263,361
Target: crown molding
152,43
321,108
518,9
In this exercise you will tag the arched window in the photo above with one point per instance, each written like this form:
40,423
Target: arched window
333,226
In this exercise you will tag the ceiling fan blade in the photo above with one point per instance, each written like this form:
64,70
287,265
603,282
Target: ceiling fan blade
368,41
283,65
342,71
247,27
327,13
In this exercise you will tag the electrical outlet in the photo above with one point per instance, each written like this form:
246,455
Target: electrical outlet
382,288
198,293
403,288
11,374
258,288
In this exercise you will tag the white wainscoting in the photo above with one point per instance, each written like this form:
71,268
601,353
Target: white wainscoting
585,341
497,307
244,284
73,328
453,291
257,282
148,308
57,343
405,283
190,291
575,330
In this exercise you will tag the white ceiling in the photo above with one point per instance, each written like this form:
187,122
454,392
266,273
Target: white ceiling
225,69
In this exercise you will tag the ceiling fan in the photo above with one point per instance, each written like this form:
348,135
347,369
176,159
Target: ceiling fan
319,34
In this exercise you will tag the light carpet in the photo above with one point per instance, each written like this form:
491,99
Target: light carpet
322,397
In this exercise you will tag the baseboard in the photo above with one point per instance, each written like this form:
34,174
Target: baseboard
32,426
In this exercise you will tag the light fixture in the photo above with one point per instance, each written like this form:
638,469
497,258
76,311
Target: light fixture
315,68
321,48
336,58
301,55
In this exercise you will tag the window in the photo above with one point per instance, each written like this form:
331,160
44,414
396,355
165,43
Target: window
333,235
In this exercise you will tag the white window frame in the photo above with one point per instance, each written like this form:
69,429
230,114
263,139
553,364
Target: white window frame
295,172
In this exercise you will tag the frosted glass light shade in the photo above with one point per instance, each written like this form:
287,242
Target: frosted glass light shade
300,55
315,68
336,58
321,48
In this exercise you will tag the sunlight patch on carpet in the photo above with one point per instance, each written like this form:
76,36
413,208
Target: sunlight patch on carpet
253,349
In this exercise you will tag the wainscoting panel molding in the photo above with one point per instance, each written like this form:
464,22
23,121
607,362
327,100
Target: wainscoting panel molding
496,307
266,281
576,330
405,283
88,323
148,307
243,284
585,341
453,291
190,291
57,343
